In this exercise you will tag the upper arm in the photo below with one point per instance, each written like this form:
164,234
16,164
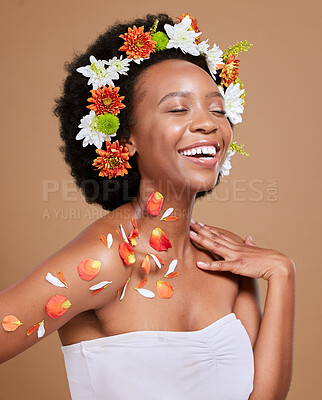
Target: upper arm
247,306
27,299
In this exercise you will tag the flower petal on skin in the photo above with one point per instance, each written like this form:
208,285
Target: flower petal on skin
119,233
10,323
159,240
172,267
107,240
134,234
123,234
146,264
88,269
134,223
172,275
54,281
146,293
142,283
126,252
124,288
99,286
164,289
154,203
62,278
34,328
171,218
41,329
167,213
156,259
57,305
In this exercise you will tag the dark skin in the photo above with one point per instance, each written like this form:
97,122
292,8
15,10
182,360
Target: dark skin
179,105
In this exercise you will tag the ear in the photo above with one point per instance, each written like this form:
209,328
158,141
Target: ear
131,146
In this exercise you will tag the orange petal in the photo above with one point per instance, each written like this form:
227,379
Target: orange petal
61,278
164,289
134,233
172,275
123,288
154,203
57,305
119,233
159,240
171,218
104,240
134,223
126,252
88,269
10,323
146,264
33,328
142,283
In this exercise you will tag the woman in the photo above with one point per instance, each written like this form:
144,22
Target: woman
167,308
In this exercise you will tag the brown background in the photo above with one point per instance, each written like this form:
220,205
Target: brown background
273,194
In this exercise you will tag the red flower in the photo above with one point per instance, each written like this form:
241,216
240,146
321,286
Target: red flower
113,161
193,27
230,71
138,44
106,100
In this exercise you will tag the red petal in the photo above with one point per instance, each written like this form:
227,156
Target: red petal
33,329
154,203
126,252
134,233
146,264
172,275
134,223
164,289
159,240
57,305
88,269
171,218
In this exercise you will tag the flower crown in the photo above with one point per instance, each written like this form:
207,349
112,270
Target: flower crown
102,122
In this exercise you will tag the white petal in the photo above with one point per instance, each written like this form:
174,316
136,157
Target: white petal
123,291
100,285
146,293
123,234
53,280
167,213
172,267
155,258
109,239
41,330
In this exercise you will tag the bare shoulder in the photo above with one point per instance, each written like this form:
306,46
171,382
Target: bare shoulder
64,285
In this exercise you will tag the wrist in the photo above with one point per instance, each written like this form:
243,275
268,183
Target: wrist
284,270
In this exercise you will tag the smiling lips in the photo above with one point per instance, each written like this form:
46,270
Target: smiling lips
205,155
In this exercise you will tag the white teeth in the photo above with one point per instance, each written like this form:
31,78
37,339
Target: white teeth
211,150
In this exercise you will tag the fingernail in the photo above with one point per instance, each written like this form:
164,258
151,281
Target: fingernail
202,264
200,223
193,233
250,238
193,221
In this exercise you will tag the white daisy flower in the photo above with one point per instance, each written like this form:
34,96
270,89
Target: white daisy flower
203,47
213,57
90,133
97,73
233,102
224,170
181,37
121,66
139,60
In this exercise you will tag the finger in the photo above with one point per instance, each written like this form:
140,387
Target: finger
211,232
249,241
210,244
218,237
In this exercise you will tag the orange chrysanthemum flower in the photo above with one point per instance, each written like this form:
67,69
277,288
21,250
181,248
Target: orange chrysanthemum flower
113,161
106,100
230,71
138,44
193,27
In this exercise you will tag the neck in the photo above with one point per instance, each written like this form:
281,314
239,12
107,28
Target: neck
177,231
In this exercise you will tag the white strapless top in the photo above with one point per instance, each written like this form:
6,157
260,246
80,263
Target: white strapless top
214,363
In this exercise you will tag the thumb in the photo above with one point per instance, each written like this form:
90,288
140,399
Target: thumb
249,241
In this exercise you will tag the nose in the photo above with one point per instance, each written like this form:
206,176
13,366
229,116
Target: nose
204,122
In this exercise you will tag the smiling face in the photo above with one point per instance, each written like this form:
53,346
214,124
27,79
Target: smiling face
180,133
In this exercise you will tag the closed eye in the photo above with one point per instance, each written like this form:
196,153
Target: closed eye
178,110
221,112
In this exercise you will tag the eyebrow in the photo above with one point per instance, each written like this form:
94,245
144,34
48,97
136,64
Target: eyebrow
187,94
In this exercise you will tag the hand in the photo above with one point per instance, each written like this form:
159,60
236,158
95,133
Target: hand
239,257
